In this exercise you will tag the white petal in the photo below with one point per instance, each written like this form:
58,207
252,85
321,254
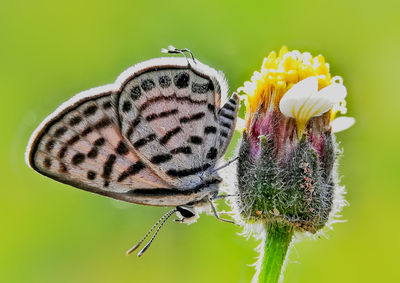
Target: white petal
336,92
296,97
315,105
342,123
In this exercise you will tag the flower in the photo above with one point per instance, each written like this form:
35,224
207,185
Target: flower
288,155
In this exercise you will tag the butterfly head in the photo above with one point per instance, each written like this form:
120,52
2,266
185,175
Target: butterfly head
189,213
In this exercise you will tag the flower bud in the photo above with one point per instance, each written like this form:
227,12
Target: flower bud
288,154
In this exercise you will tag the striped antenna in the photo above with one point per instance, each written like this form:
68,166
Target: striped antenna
163,219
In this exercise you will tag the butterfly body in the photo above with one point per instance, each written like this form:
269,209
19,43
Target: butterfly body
152,138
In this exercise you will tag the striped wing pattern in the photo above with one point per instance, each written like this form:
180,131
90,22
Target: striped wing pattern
162,129
171,119
83,147
227,120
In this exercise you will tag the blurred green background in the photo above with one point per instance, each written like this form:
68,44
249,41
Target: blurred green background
51,50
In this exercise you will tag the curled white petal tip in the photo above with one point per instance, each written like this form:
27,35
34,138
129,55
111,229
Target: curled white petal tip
336,92
342,123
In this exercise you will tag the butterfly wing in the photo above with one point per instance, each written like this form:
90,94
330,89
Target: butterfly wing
123,141
81,145
227,121
169,114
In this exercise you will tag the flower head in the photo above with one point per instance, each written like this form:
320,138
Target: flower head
287,158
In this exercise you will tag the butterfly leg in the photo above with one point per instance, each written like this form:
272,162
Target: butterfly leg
216,213
216,197
226,164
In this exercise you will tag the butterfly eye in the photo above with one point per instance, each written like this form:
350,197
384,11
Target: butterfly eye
186,212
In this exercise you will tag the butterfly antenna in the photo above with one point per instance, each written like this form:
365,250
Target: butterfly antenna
226,164
173,50
166,215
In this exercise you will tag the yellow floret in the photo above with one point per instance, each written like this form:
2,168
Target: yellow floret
279,73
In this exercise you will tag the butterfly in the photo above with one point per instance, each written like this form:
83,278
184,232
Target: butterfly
153,137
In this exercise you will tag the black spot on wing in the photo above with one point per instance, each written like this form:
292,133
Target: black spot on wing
122,149
195,140
60,132
135,93
93,152
91,175
73,140
133,125
75,120
182,149
108,165
47,162
99,142
193,117
160,115
132,170
161,158
201,88
181,80
224,134
136,121
90,110
103,123
143,141
147,85
164,81
87,131
62,152
63,168
210,130
78,158
126,106
107,105
212,153
50,145
211,108
169,135
187,172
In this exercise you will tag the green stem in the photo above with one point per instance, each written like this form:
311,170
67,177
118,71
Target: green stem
277,241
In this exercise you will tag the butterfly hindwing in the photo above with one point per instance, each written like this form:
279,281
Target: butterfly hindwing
170,118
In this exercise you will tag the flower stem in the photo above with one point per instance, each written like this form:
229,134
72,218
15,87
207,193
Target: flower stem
277,241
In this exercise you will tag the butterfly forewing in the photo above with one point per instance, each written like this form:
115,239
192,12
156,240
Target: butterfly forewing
83,146
170,118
